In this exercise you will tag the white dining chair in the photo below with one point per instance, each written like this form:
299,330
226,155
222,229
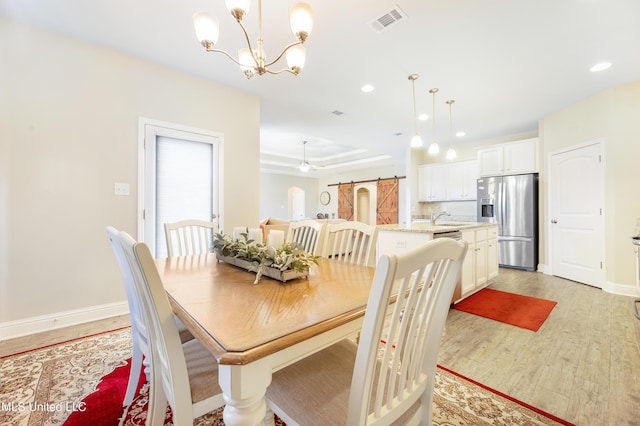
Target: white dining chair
351,242
308,234
139,335
188,237
185,376
389,375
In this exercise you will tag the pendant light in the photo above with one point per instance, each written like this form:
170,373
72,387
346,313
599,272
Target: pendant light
416,140
434,148
451,153
304,165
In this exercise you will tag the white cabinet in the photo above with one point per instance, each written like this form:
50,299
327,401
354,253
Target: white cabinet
509,158
432,182
394,242
481,263
451,181
462,183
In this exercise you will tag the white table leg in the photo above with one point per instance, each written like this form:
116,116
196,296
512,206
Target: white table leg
244,388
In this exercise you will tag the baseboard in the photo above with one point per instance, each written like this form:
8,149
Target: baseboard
24,327
621,289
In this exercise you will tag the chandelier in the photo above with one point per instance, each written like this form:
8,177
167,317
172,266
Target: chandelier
253,60
451,153
416,140
433,147
304,165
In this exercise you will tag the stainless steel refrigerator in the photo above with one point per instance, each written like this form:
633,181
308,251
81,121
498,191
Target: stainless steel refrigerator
512,203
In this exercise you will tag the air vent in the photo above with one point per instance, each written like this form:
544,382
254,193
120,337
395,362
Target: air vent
389,18
336,112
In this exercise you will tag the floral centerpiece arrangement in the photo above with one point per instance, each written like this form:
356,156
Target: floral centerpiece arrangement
283,263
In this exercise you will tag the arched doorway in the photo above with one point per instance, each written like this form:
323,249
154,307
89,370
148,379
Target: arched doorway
365,203
296,203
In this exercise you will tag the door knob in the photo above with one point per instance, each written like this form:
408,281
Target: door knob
554,221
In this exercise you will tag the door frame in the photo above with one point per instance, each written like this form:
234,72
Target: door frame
550,207
174,130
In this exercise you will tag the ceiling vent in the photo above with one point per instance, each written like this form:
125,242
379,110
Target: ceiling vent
387,19
336,112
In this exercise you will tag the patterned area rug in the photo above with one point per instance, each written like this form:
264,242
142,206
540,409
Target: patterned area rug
45,387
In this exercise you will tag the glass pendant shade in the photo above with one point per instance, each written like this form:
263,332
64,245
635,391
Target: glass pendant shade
207,28
246,60
416,141
242,5
434,148
304,166
296,56
301,20
451,154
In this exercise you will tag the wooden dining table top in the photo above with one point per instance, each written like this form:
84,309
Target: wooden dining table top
240,321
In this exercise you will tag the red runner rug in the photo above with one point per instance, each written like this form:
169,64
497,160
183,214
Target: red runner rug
104,406
515,309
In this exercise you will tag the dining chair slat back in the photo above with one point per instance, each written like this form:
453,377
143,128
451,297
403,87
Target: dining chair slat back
307,234
189,237
139,339
351,242
184,376
389,375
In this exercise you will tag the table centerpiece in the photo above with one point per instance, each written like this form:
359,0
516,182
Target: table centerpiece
283,263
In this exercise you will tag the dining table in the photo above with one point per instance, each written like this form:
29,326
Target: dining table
254,330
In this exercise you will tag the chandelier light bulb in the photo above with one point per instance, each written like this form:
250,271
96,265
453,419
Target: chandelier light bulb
301,20
207,29
296,56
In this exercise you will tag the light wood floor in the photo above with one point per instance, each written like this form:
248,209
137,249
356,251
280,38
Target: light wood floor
583,365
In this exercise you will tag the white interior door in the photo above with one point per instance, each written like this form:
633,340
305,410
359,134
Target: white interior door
181,179
576,186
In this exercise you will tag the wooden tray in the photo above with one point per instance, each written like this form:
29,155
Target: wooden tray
274,273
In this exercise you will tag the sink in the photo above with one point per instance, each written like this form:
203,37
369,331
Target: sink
451,224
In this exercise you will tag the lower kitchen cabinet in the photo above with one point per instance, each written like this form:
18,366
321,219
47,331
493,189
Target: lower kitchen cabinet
481,263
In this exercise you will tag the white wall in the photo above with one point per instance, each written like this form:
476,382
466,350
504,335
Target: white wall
613,116
68,131
274,195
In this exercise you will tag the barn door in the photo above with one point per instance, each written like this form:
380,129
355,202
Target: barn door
345,201
387,201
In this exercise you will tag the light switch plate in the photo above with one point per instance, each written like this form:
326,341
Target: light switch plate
121,189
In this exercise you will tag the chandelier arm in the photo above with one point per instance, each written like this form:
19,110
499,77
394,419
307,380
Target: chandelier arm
248,39
282,53
281,71
226,54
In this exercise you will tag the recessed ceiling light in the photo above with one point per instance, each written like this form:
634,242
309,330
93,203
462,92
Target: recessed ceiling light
367,88
601,66
461,134
423,117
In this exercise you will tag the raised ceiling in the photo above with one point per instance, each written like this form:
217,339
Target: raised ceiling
506,63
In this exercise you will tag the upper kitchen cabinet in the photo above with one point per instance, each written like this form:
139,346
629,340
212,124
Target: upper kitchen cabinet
463,177
509,158
432,182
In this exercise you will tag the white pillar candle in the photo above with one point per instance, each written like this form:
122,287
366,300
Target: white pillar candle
275,238
237,231
255,234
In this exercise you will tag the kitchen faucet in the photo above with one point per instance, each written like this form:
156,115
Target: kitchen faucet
442,213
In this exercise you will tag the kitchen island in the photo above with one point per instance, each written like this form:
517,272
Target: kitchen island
480,264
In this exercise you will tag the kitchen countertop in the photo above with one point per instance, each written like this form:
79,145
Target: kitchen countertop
440,227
